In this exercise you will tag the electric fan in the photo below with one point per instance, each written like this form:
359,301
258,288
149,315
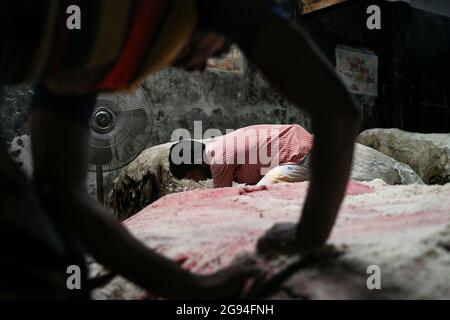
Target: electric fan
120,128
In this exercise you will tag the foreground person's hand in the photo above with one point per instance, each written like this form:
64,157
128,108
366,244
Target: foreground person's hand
286,238
280,239
229,283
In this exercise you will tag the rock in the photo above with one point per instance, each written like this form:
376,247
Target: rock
148,178
400,229
427,154
370,164
145,180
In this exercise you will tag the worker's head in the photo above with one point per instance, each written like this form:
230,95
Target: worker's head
187,161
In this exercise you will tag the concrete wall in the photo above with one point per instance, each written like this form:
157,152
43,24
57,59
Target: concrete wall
14,105
220,99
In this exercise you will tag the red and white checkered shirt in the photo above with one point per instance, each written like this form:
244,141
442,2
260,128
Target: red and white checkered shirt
247,154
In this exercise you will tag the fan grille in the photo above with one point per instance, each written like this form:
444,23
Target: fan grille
120,129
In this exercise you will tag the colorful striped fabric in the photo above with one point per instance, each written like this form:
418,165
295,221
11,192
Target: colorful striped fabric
120,41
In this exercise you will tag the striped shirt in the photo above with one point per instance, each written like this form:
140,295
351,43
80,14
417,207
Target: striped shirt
245,155
119,43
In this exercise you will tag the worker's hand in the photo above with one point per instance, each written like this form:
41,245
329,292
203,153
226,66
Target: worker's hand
280,239
195,55
285,238
232,282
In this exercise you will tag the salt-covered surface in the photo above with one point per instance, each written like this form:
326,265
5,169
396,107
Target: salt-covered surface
405,230
148,177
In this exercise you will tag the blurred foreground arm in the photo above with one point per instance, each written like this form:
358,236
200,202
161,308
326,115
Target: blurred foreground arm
292,64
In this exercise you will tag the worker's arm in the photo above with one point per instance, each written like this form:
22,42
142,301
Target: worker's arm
60,159
223,175
296,68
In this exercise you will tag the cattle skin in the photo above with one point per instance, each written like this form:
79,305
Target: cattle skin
403,229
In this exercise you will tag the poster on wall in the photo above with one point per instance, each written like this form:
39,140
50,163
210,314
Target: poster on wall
358,68
233,61
308,6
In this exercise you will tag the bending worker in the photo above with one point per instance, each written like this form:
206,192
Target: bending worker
255,155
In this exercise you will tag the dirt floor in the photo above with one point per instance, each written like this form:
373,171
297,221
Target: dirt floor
404,230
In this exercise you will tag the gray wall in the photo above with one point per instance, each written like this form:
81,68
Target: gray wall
14,105
220,99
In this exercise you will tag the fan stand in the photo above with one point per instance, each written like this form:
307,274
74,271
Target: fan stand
100,192
124,116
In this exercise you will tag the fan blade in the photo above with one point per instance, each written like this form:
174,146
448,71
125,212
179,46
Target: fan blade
99,155
140,121
117,145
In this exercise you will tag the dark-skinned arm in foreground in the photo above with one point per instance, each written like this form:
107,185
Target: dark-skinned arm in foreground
60,162
292,64
297,69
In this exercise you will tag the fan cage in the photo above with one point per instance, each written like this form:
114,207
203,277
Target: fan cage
129,135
